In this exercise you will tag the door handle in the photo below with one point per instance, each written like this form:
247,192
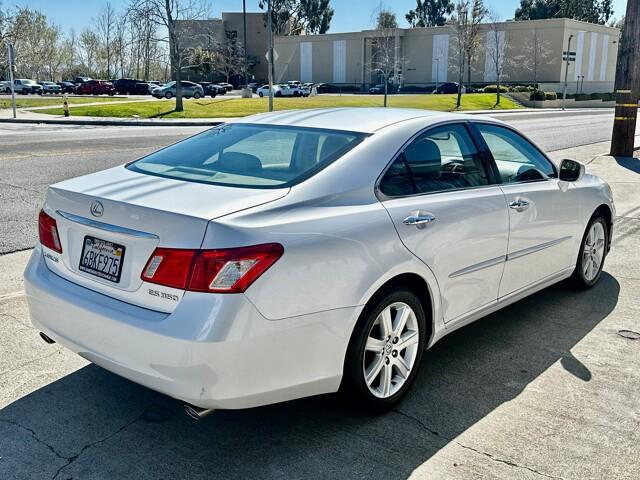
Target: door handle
419,219
519,205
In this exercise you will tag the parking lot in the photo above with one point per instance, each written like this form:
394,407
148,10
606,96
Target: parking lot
545,388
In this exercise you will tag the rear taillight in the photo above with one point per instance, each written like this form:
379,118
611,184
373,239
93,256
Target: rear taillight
48,231
228,270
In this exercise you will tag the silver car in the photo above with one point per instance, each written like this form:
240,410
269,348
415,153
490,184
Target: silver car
189,90
305,252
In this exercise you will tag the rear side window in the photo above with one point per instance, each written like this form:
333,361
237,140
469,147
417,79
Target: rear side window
441,159
516,158
254,156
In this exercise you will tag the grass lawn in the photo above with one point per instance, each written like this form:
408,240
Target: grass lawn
5,101
239,107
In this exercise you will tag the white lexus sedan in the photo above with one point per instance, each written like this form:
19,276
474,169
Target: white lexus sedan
305,252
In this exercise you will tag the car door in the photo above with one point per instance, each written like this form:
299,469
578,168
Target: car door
543,214
449,213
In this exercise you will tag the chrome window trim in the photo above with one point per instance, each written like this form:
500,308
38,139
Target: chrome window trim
106,226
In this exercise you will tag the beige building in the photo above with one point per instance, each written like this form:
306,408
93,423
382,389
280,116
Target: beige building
207,33
531,50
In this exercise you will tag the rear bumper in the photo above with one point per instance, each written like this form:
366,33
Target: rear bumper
214,351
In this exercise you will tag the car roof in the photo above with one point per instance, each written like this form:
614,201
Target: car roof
356,119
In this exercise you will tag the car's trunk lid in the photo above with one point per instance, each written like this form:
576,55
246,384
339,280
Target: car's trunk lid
134,213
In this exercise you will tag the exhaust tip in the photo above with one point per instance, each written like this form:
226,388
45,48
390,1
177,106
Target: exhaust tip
46,338
197,413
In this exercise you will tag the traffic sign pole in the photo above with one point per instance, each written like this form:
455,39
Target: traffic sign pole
567,58
13,91
270,54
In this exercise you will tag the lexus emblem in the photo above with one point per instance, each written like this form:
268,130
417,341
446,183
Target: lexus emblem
97,209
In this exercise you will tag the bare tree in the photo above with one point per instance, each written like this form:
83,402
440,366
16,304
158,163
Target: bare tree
230,56
384,59
105,26
497,47
89,46
536,52
174,17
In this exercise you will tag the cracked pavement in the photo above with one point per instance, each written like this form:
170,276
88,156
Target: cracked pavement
545,388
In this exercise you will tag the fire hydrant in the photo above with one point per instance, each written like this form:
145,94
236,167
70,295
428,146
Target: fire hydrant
65,106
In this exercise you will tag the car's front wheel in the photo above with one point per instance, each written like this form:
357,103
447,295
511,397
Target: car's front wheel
385,350
168,95
593,251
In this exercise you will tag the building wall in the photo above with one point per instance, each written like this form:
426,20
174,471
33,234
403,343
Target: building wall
424,50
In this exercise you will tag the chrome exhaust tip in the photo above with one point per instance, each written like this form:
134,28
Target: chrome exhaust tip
46,339
197,413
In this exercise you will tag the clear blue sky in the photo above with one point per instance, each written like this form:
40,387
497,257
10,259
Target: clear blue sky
349,14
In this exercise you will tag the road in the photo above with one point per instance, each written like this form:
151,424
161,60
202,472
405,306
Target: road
35,156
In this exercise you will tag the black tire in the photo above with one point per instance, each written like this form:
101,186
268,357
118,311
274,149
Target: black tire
278,94
168,95
197,95
578,277
354,387
260,94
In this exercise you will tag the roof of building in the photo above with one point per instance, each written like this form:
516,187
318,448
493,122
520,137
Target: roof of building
356,119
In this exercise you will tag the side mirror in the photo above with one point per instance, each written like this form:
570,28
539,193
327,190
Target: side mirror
571,170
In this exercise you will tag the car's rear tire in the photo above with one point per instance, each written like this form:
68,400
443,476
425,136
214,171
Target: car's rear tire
260,94
168,95
592,253
385,350
197,95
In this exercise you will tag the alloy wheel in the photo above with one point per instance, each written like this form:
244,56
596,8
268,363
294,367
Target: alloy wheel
593,251
391,350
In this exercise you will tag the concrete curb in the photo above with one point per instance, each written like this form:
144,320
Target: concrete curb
126,123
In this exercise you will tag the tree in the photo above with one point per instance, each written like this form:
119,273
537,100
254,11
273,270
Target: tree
386,19
295,17
594,11
89,47
230,56
105,28
497,47
175,16
536,52
466,21
384,60
429,13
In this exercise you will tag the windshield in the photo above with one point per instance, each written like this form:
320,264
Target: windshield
253,156
170,84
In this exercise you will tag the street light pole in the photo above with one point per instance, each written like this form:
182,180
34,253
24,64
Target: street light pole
437,71
270,55
566,72
244,43
13,91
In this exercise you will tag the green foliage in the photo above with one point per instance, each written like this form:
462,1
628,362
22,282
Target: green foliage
594,11
294,17
539,95
429,13
494,89
386,19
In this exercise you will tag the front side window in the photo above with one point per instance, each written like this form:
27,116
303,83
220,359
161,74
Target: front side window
441,159
516,158
254,156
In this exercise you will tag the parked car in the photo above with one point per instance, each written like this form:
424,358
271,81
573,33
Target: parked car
324,88
67,86
80,80
126,86
227,86
282,90
50,87
5,86
152,84
96,87
448,88
306,89
379,89
26,86
294,83
214,89
189,89
346,241
140,88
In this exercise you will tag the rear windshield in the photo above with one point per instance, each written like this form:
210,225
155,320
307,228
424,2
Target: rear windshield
246,155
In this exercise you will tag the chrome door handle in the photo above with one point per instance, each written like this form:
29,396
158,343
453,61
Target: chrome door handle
419,219
519,205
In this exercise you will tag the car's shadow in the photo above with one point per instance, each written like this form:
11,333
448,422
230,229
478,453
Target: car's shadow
92,424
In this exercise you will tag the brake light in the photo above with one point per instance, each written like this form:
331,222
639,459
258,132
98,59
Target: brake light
228,270
48,232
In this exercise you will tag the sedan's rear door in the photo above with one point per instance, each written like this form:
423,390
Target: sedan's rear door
543,214
449,213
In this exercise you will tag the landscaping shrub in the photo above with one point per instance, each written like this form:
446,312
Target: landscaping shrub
494,89
596,96
580,97
608,97
550,96
537,95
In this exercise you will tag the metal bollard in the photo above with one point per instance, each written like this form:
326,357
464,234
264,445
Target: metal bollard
65,106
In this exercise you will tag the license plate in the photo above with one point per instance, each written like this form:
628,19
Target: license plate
102,258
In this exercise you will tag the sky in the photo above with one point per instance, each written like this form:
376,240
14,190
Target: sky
350,15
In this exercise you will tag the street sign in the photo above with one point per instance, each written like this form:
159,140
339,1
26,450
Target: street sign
570,53
275,55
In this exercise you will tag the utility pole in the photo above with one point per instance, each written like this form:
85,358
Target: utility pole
627,87
13,91
270,54
567,58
